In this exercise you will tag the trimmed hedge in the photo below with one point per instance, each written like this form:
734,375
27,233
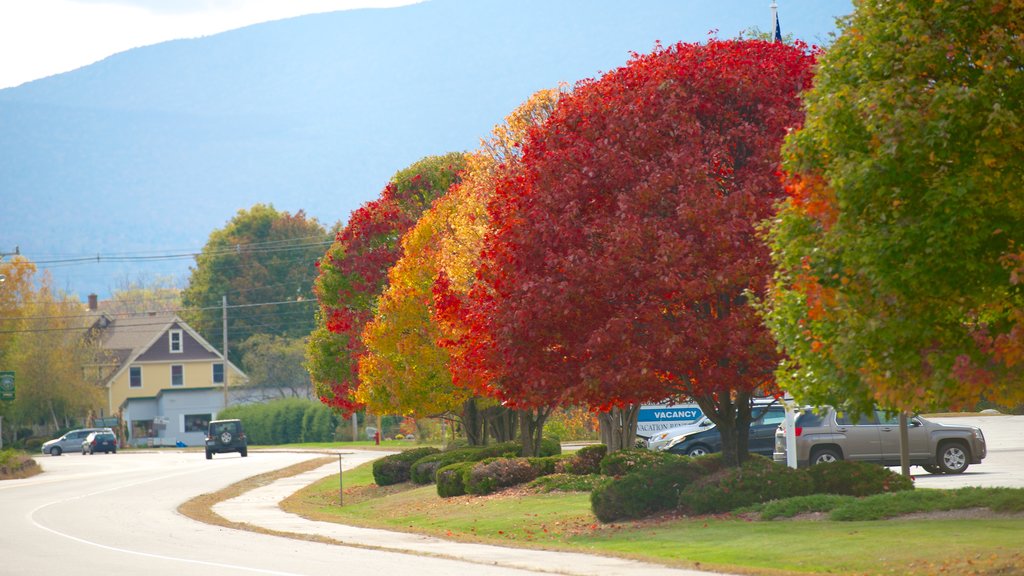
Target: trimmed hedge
394,469
424,470
487,476
851,478
566,483
451,480
286,421
625,461
757,480
650,488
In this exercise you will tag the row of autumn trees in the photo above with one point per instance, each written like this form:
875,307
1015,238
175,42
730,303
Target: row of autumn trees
634,240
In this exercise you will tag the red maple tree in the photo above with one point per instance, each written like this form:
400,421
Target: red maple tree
625,240
353,273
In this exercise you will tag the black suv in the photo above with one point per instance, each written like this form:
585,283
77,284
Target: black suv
225,436
765,419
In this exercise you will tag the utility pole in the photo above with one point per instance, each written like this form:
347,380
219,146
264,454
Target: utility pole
224,320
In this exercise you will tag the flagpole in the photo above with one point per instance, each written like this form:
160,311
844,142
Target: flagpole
776,31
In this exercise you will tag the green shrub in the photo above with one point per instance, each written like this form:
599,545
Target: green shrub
566,483
649,488
424,470
623,462
757,480
790,507
394,469
15,464
850,478
451,479
586,460
549,446
546,465
285,421
489,475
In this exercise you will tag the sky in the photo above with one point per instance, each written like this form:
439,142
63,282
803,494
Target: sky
40,38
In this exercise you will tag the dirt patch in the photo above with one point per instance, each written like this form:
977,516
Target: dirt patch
14,465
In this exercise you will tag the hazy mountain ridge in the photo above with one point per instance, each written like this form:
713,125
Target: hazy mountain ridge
153,148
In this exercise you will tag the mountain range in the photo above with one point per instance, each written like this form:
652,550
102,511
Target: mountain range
145,153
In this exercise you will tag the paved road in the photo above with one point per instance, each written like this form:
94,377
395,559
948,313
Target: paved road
116,514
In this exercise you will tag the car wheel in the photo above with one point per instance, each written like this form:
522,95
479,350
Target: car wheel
826,455
55,451
244,452
698,450
953,458
209,455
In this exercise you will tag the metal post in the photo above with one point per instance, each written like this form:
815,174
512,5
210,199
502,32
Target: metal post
904,445
1,432
341,484
224,320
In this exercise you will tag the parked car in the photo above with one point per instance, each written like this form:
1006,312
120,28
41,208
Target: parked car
72,441
225,436
825,435
764,422
104,442
661,440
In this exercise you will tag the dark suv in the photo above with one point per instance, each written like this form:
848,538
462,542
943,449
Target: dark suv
765,419
225,436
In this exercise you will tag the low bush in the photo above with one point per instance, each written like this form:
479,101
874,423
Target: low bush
566,483
623,462
850,478
586,460
395,469
487,476
550,446
424,470
649,488
547,465
451,479
790,507
15,464
757,480
880,506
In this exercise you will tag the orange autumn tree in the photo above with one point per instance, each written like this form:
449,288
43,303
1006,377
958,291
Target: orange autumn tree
623,243
405,370
900,247
353,274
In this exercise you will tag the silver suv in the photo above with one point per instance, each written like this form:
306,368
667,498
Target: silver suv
824,435
70,442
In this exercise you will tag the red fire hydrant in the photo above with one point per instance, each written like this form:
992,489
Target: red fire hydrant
376,437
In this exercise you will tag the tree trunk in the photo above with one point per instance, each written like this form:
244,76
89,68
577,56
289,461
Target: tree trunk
732,418
618,427
531,429
502,423
472,423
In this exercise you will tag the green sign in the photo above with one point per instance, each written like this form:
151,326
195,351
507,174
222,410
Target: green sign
6,385
110,422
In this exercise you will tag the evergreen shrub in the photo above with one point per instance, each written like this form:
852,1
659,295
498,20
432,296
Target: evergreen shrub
394,469
849,478
451,479
623,462
489,475
652,487
424,470
757,480
586,460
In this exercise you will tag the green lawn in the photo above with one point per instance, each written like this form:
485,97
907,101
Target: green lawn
733,543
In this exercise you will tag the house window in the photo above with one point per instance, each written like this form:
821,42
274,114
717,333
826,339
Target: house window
177,375
197,422
135,376
218,373
174,336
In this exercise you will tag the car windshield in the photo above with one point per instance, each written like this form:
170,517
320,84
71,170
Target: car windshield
219,427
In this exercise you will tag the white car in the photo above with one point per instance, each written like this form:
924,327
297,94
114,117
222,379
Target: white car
662,440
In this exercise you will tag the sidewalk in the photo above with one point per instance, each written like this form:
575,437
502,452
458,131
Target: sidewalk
260,507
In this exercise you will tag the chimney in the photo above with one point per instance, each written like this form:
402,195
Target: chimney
93,302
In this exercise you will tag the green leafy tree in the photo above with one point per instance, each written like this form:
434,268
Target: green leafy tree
264,261
900,247
274,365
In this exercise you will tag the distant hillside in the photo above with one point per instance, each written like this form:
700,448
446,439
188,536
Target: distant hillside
152,149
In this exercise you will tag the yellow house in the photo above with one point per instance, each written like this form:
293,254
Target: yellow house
165,381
